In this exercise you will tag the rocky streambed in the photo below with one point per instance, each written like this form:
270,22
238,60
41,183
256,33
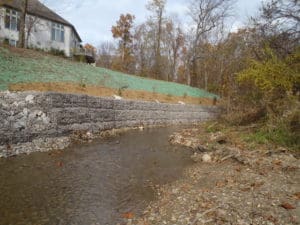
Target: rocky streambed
229,184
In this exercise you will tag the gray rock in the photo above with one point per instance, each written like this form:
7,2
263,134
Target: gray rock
29,99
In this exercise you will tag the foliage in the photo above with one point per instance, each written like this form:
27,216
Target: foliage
122,31
57,52
279,135
272,74
90,49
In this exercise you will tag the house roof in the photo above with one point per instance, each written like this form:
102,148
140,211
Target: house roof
36,8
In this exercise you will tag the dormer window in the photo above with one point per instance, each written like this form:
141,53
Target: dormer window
12,20
58,32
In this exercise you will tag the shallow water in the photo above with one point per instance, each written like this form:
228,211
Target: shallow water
89,184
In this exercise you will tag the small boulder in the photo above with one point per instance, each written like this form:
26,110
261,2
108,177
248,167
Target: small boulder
201,158
117,97
206,158
29,99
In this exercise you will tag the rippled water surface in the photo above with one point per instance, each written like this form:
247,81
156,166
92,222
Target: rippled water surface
89,184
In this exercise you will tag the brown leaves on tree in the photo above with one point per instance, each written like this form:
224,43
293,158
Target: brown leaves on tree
90,48
122,31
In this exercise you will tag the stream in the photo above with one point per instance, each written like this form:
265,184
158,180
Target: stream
89,184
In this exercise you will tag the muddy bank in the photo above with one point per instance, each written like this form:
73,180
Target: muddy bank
33,121
230,183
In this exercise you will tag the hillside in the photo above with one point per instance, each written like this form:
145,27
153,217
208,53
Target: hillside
30,70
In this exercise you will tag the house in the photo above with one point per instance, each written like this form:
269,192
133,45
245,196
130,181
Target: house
44,29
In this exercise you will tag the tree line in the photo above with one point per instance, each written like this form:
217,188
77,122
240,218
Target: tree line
255,70
205,55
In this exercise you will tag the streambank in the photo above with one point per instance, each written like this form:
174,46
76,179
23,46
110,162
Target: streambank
231,182
42,121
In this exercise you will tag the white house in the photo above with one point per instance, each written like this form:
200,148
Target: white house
44,28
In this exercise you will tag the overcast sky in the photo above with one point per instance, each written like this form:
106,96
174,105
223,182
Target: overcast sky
93,19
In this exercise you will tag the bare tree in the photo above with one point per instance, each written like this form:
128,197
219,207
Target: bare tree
22,32
143,51
175,41
31,23
106,52
157,7
206,16
278,25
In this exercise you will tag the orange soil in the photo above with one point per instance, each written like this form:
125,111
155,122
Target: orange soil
107,92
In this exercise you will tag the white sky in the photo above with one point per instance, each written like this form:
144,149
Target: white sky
93,19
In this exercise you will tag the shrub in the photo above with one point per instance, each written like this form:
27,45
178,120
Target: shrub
57,52
271,82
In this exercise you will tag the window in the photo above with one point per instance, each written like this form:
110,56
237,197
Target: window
58,32
12,20
10,42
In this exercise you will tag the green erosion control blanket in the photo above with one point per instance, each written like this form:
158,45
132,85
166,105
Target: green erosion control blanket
16,69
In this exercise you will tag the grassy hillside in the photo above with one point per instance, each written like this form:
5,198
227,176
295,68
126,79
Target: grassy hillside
27,66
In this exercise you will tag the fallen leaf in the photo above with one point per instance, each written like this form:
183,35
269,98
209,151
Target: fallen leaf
290,168
220,184
263,172
297,195
128,215
258,184
277,162
287,206
272,219
205,190
59,164
245,189
238,169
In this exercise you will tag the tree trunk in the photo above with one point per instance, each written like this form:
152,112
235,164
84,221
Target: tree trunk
193,76
157,54
23,24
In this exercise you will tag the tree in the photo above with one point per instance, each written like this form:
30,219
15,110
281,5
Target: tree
31,22
206,16
274,80
175,41
22,32
143,49
278,26
123,31
90,49
106,54
157,7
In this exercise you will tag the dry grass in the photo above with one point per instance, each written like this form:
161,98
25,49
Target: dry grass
106,92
